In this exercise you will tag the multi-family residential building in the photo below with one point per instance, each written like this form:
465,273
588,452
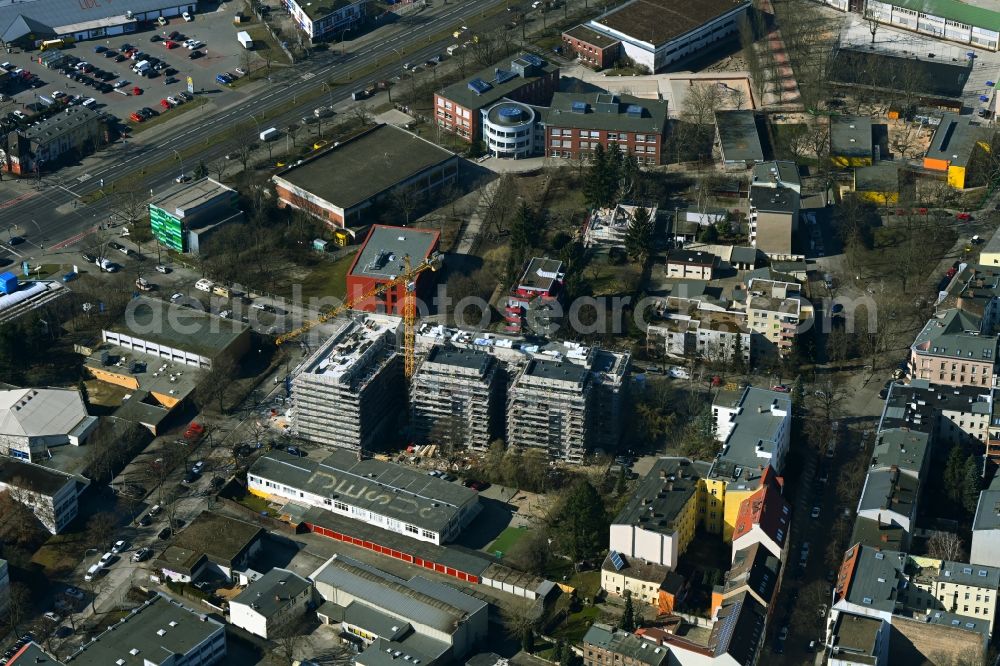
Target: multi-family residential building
755,570
536,290
903,449
34,420
550,407
764,518
427,621
657,33
737,139
459,108
345,391
603,645
691,264
76,131
975,289
858,640
951,350
382,258
775,310
576,123
51,495
324,20
851,141
985,547
869,583
774,218
990,254
777,174
456,398
974,23
390,496
947,414
270,603
696,328
890,497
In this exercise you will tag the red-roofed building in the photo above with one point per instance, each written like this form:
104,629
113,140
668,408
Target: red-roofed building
538,287
764,517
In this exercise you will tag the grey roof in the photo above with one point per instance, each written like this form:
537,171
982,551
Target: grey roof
381,256
993,244
874,579
606,111
638,569
888,490
756,568
67,122
182,629
538,274
774,199
918,405
591,36
415,648
739,629
879,178
851,136
273,591
955,139
743,255
364,166
738,136
661,494
221,538
902,448
463,95
47,16
196,331
418,600
562,371
976,624
19,474
462,357
956,334
385,488
375,621
988,509
624,643
40,412
757,421
972,575
870,532
856,636
182,196
658,22
777,171
692,257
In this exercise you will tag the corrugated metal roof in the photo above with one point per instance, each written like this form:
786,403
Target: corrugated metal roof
19,19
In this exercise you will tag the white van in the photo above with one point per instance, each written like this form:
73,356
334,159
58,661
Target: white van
451,49
93,572
269,133
141,66
204,285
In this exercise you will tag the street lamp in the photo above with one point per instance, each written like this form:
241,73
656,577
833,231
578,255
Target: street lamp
179,159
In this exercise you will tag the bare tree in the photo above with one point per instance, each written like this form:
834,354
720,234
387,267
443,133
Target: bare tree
293,132
946,546
19,607
406,201
218,168
216,385
242,142
873,15
362,114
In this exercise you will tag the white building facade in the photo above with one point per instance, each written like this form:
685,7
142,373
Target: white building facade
975,26
512,130
342,19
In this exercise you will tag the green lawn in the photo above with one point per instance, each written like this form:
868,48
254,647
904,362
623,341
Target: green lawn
576,625
328,278
507,539
258,504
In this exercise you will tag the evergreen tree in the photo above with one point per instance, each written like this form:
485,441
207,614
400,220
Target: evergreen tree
523,230
628,617
639,235
708,234
557,651
528,640
739,363
621,485
799,394
200,171
971,484
954,473
595,184
582,522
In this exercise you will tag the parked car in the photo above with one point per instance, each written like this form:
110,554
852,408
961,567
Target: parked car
119,547
164,533
295,451
73,592
815,512
145,521
52,617
194,431
106,559
160,268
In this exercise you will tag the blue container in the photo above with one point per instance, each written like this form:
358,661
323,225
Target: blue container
8,283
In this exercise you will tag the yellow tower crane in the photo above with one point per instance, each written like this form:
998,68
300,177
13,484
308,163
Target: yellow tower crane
407,278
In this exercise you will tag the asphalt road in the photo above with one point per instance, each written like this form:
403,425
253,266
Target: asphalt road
48,216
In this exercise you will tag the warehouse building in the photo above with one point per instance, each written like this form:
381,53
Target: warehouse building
456,398
392,497
186,215
34,420
345,184
417,621
658,33
27,24
382,258
346,392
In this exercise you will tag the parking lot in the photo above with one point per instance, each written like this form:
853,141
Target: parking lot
219,49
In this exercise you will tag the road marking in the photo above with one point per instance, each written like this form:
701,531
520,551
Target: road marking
10,249
308,75
18,199
84,178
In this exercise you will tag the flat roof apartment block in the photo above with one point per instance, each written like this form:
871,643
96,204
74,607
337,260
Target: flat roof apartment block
659,33
528,79
737,138
456,398
390,496
51,495
339,184
550,408
347,393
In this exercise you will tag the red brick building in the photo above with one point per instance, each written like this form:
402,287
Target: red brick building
576,124
381,259
591,47
458,107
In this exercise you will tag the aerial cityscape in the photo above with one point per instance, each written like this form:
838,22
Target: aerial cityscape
499,333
